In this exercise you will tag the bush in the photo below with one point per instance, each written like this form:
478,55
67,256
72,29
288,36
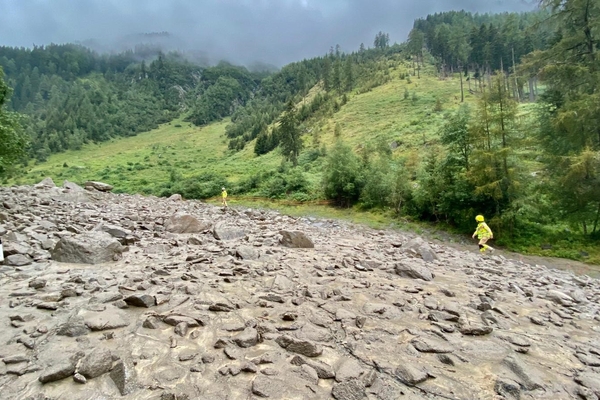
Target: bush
342,175
200,186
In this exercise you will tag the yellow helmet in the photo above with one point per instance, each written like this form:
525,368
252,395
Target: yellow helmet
479,218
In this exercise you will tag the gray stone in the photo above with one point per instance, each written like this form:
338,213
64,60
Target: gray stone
125,377
324,371
14,359
12,247
100,186
57,372
72,186
114,231
308,374
18,260
413,271
74,327
304,347
175,319
186,223
247,253
349,390
475,330
429,345
296,239
45,183
526,374
589,380
105,320
262,386
141,300
247,338
96,363
507,388
419,247
347,370
37,283
410,375
181,329
152,322
222,232
87,248
79,378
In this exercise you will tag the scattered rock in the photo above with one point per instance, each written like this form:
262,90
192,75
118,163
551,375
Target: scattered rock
141,300
304,347
96,363
186,223
100,186
125,377
410,375
247,338
87,248
349,390
57,372
413,271
296,239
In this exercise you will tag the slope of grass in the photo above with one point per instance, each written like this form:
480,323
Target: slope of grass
140,164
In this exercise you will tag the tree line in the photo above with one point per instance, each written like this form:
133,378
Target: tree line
69,95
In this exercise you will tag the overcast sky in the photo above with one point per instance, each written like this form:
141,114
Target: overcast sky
243,31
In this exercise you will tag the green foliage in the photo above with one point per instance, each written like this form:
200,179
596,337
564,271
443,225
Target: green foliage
483,41
11,136
342,176
570,115
201,186
286,183
216,102
382,41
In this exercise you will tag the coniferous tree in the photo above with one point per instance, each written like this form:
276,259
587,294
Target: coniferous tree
289,134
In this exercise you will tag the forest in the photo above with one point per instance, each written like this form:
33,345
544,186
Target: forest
526,151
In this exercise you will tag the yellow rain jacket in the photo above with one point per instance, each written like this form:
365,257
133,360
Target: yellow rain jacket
483,231
224,194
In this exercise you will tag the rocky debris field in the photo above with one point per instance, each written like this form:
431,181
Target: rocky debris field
111,296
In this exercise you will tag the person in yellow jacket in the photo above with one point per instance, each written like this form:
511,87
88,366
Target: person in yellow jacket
224,196
484,233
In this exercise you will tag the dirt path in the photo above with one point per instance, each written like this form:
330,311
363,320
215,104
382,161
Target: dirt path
576,267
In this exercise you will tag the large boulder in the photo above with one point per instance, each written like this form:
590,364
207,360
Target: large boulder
186,223
124,376
99,186
88,248
17,260
413,271
72,186
96,363
296,239
46,183
419,247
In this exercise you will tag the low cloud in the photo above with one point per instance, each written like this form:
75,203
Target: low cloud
242,31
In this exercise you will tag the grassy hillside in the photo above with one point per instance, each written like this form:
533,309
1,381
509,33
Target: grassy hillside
140,164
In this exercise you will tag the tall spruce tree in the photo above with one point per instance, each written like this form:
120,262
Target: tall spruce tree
290,140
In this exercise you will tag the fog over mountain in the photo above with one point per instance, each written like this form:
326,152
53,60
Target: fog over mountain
242,31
